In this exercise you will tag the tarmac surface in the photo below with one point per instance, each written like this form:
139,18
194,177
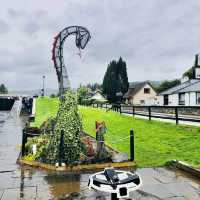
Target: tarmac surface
26,183
158,183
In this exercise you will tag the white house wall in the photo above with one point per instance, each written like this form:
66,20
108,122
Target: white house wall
149,99
160,100
173,100
192,98
187,99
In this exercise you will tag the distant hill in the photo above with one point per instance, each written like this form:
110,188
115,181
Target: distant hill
48,92
155,84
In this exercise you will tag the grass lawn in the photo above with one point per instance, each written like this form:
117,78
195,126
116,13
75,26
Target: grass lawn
155,142
45,107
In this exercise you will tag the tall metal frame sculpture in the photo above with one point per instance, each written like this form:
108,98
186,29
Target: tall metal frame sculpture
82,36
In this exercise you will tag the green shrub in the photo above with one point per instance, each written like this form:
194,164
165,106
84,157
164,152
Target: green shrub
52,95
69,121
47,126
86,102
41,145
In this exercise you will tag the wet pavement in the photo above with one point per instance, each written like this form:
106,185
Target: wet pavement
28,183
158,183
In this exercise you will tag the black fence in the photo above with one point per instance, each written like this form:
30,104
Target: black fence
26,133
177,113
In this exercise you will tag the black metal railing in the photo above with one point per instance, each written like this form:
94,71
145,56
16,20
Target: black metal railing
177,113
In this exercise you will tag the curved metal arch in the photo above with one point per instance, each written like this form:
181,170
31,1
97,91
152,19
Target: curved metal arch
82,36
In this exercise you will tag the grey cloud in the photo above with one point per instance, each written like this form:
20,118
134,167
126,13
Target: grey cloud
4,27
31,27
16,14
157,39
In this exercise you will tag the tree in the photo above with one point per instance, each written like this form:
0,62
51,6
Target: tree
68,121
115,80
167,85
3,89
123,77
52,95
81,94
190,73
94,86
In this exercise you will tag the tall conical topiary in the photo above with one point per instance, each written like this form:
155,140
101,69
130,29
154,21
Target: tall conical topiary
69,121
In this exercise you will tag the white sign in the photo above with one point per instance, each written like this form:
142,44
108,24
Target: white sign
34,148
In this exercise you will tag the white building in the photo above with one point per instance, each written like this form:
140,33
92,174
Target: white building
98,97
185,94
141,94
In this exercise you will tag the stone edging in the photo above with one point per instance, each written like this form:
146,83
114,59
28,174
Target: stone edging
81,168
186,167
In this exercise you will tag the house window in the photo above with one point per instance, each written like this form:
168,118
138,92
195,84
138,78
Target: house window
181,99
146,90
142,102
198,98
166,100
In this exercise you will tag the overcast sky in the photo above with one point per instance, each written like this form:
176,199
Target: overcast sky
156,38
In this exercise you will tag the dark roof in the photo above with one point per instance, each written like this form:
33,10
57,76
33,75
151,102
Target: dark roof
135,88
191,88
192,85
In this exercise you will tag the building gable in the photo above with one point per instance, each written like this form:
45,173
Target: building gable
139,89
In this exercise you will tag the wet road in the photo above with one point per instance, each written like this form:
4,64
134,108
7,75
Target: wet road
29,183
10,137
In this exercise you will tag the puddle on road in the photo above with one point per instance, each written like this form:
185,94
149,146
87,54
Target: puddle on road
61,185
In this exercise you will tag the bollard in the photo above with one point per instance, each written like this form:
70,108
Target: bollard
61,148
132,146
24,140
176,115
120,109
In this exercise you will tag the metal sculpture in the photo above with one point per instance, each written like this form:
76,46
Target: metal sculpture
82,37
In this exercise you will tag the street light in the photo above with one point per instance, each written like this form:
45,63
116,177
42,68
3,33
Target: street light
43,79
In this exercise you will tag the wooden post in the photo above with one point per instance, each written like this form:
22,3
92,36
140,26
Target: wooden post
24,140
176,115
61,148
100,130
132,146
149,108
133,111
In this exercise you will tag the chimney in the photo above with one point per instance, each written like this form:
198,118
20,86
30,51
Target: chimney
196,60
197,67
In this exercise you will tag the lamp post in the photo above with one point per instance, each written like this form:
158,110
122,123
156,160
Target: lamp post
43,79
